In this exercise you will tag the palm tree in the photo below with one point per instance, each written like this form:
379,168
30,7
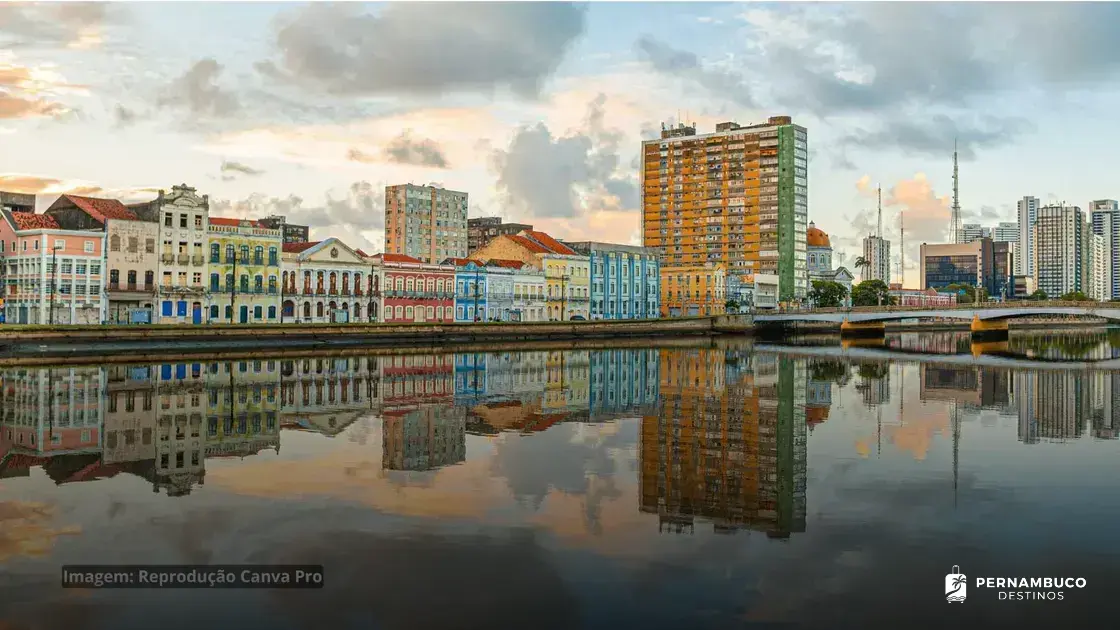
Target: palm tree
861,262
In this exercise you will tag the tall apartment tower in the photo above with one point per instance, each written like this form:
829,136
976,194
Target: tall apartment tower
877,251
737,197
1061,250
425,222
1105,215
1028,213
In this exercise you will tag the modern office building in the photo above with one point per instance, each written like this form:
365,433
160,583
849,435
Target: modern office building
480,230
290,232
969,232
1028,214
1105,216
425,222
1006,232
985,263
625,280
736,197
877,253
1061,250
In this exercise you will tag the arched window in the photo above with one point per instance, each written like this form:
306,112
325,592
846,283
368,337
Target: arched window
334,283
357,311
215,282
408,312
258,284
307,282
400,283
431,312
114,243
307,309
272,284
229,253
244,253
439,285
400,312
410,284
245,283
358,283
318,309
229,282
431,285
345,283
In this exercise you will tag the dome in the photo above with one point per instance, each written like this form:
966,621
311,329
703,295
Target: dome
816,238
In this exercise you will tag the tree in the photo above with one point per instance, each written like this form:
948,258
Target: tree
860,263
968,290
828,294
871,293
1075,296
1038,296
731,306
832,371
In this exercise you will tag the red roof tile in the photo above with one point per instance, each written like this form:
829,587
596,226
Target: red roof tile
508,264
102,209
232,222
462,262
532,246
362,254
31,221
556,246
295,248
399,258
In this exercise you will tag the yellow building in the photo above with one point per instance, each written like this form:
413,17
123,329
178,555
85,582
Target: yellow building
567,272
693,290
738,196
244,271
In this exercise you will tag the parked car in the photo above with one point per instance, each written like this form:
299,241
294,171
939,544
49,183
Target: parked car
577,318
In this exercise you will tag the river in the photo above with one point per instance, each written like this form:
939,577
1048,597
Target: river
722,485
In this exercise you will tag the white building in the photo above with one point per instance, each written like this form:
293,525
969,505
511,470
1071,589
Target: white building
184,220
1028,214
1006,231
325,281
877,252
1061,255
1105,216
820,262
969,232
1100,268
529,303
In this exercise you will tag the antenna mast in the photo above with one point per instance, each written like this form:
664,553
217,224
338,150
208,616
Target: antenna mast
955,218
879,229
901,252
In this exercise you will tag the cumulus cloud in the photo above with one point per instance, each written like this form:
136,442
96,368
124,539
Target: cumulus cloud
357,217
21,90
544,175
405,149
424,48
197,92
43,24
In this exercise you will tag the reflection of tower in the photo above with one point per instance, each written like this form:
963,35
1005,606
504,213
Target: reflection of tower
727,443
1052,405
426,438
875,384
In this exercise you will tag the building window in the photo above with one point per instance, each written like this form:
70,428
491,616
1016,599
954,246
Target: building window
214,311
272,257
257,312
167,220
182,220
272,312
215,282
215,252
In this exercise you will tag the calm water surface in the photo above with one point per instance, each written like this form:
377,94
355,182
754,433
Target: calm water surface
709,487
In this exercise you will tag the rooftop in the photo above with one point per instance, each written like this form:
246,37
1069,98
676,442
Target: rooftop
296,248
100,209
547,241
30,221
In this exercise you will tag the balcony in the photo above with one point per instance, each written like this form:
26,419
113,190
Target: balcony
198,261
167,259
183,259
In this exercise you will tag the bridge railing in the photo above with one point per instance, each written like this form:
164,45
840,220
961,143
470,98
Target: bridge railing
951,307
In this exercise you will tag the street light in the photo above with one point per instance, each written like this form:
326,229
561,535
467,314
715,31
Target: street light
54,278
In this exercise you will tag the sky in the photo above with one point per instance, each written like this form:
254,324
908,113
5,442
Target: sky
538,110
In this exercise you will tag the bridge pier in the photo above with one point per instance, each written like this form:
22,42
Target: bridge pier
862,330
988,329
862,342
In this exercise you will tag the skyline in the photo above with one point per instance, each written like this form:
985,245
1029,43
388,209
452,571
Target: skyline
538,111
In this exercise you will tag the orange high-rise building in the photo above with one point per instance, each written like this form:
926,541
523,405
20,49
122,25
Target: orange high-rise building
738,196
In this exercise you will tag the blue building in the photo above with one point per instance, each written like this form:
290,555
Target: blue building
470,290
624,382
625,280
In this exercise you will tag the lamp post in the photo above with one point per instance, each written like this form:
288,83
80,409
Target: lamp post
54,278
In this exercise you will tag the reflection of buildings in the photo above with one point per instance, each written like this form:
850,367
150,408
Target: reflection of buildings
874,383
623,382
426,438
1051,405
326,395
818,402
727,443
975,387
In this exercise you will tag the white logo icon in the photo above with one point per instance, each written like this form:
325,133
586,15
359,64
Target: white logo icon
956,585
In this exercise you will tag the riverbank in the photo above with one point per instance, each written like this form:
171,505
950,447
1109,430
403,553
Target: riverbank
24,344
1040,323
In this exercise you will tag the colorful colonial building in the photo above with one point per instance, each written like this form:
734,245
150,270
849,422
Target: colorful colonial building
693,290
624,280
415,291
51,275
244,272
325,281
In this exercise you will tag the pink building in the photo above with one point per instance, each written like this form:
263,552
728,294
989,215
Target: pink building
50,275
920,297
414,291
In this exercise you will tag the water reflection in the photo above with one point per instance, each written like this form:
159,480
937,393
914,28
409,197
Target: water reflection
612,475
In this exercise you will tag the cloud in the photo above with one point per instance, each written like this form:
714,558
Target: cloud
541,175
404,149
424,48
934,135
123,115
198,93
356,217
74,24
20,90
725,83
926,216
231,170
27,184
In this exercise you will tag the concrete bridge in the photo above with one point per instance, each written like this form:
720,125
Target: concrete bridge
986,319
979,357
